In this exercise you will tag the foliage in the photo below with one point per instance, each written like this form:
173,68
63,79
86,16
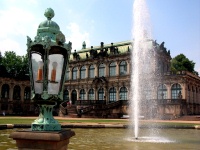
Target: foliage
16,66
182,63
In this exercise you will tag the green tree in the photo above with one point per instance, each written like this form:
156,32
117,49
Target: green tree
182,63
15,65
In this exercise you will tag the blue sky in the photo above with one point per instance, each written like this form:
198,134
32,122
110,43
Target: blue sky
176,22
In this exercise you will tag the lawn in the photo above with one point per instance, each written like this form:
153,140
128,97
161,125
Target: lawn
27,120
24,120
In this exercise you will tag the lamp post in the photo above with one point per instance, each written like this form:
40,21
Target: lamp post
48,59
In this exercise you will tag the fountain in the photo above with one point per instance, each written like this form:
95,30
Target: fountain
143,62
143,71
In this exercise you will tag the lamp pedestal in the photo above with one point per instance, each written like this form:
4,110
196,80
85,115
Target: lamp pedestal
45,121
41,140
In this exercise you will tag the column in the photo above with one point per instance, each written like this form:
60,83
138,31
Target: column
11,87
117,68
86,71
106,69
70,73
96,70
168,91
78,72
96,93
78,94
86,94
70,94
128,68
106,98
184,91
117,94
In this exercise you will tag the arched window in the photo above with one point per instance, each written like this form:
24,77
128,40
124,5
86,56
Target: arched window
4,97
16,92
101,94
123,68
123,93
74,96
83,71
27,93
67,75
112,69
74,73
82,94
91,71
91,94
175,91
162,92
101,70
66,95
112,94
5,91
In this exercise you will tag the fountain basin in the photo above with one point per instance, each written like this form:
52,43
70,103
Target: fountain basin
109,138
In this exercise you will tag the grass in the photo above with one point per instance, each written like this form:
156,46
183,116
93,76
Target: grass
24,120
19,120
15,120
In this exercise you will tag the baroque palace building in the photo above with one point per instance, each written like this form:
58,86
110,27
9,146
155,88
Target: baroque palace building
98,85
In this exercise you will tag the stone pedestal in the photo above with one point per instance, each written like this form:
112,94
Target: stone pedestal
42,140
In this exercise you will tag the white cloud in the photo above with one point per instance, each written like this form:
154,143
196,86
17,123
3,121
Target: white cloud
16,21
10,45
16,24
76,36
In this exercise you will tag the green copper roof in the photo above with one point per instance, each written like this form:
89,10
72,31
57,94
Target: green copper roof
123,47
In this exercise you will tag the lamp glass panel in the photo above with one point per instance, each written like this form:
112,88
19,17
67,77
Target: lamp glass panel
55,73
37,71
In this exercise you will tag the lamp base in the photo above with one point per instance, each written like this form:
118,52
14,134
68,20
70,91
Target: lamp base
45,121
45,127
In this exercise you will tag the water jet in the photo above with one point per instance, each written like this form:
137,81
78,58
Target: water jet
143,62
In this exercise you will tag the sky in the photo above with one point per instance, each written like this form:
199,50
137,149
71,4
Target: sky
176,22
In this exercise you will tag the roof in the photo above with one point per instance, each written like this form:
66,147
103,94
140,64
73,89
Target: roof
123,47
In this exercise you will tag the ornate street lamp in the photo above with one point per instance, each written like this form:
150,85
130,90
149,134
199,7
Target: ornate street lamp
48,58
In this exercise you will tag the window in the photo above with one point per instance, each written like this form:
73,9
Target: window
175,91
16,92
83,71
91,71
101,94
27,93
74,73
82,94
67,75
123,93
123,68
112,94
73,97
91,94
112,69
162,92
101,70
66,95
5,91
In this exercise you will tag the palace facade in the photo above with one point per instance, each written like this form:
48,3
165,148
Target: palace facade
98,85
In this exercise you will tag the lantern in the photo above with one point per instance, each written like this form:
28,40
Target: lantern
48,61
